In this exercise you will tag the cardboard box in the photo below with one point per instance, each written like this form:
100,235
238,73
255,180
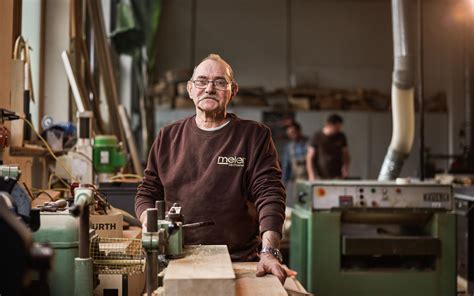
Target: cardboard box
107,225
120,284
300,103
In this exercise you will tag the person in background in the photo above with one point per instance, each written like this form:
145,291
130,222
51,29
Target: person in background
294,154
328,154
294,160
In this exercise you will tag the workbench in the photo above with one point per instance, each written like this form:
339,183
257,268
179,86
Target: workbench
248,284
207,270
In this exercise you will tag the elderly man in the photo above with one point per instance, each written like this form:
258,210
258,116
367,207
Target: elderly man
222,168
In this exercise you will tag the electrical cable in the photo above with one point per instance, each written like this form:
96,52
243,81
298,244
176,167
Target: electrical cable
54,189
59,179
30,195
124,176
83,155
45,192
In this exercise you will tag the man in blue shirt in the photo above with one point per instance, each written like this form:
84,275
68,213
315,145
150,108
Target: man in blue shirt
294,157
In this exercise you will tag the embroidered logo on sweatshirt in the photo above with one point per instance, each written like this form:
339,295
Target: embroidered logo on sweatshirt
233,161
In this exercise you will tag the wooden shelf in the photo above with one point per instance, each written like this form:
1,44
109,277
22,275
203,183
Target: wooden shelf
28,150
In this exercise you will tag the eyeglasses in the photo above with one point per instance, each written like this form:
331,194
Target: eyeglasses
220,84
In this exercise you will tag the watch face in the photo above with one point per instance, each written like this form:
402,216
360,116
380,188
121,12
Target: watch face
277,254
274,252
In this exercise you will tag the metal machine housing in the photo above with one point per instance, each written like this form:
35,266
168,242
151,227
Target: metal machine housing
337,249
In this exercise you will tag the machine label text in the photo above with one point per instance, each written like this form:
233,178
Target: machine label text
436,197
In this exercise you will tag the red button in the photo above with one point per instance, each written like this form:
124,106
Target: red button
321,192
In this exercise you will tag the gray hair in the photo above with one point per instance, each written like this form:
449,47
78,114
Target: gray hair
217,58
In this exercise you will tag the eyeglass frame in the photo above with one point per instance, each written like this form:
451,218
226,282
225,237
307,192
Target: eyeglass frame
213,83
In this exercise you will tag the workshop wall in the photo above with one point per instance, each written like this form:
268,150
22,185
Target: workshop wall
333,44
174,39
342,44
251,35
273,43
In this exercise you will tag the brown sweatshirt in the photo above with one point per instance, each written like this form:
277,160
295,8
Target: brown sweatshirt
230,176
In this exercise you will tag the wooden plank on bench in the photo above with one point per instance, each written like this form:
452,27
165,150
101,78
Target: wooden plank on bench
205,270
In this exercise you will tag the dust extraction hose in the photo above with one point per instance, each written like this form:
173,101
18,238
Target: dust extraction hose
403,109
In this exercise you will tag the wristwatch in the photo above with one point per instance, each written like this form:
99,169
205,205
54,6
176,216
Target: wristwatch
273,251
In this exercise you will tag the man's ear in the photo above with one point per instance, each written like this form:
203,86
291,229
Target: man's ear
188,88
234,89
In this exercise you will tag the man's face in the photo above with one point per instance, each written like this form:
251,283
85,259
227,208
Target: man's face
211,98
292,133
334,128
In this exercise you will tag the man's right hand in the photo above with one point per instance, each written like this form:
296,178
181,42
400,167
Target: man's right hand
270,265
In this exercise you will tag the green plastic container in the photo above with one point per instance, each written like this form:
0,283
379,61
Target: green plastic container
61,231
106,156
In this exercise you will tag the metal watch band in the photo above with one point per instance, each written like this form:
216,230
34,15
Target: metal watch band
273,251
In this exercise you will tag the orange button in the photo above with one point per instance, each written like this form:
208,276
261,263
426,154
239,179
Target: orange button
321,192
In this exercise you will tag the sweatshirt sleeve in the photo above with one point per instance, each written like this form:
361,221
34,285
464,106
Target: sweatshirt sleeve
266,185
150,188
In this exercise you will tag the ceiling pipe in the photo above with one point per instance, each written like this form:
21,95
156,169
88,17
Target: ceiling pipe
403,109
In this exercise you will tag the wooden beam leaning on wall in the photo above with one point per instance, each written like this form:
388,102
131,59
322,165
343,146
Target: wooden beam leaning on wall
95,103
81,65
95,13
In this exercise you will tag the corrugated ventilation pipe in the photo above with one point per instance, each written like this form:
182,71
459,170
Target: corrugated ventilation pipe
403,109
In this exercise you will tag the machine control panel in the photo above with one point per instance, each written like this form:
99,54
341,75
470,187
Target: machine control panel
373,194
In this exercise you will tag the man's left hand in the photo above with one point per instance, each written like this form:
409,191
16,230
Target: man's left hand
271,265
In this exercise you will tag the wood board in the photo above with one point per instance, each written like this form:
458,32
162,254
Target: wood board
247,283
205,270
17,102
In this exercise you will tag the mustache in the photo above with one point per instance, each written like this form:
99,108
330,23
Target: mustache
208,97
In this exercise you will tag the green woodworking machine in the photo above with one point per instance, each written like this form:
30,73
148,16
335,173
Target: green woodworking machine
164,240
374,238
